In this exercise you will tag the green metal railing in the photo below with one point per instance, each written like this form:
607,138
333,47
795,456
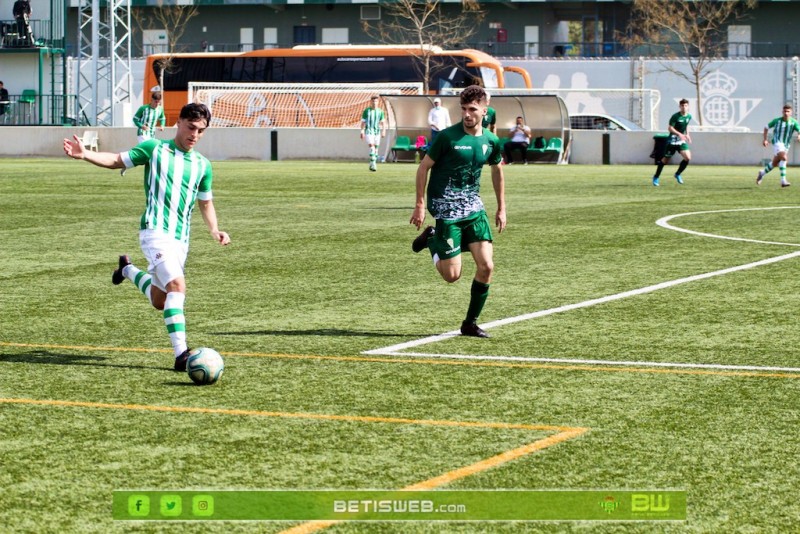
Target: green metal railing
29,109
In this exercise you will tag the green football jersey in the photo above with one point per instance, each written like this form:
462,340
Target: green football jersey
782,131
147,118
455,179
680,122
372,118
173,180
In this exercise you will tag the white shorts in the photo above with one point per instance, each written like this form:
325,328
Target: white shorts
166,257
373,139
144,137
779,147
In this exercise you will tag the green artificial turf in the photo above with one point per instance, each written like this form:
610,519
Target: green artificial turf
320,270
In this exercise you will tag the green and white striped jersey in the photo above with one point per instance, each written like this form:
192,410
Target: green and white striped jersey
173,180
782,131
371,120
146,119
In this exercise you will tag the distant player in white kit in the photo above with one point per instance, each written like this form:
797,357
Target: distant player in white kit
175,175
373,127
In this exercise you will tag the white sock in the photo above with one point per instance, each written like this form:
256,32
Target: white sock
175,321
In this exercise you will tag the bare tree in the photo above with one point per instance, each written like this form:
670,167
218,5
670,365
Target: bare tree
693,30
424,26
173,19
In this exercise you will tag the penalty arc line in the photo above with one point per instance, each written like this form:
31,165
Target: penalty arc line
393,349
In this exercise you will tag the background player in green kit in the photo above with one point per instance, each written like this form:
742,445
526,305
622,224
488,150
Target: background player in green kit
678,141
373,127
149,116
175,175
454,162
783,129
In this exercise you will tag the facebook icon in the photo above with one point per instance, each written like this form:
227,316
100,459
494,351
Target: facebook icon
139,505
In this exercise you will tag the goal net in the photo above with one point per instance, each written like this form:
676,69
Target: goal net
639,106
283,105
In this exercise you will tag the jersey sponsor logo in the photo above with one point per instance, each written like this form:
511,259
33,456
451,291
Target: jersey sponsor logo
462,147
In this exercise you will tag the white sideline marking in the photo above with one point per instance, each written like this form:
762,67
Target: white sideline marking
395,350
526,359
584,304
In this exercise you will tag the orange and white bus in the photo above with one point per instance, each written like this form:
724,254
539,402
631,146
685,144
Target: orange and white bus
325,64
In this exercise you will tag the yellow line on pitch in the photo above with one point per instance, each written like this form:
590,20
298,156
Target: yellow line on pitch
432,361
286,415
463,472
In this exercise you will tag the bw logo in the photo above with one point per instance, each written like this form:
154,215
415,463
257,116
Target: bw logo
652,502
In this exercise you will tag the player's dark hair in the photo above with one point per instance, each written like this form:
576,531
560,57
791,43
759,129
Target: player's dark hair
196,112
683,101
473,93
786,106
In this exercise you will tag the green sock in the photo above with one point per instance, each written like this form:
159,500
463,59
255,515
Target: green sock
478,295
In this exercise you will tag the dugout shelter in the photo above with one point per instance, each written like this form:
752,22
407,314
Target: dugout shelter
546,115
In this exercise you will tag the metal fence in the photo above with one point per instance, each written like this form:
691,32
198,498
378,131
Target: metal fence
30,109
44,31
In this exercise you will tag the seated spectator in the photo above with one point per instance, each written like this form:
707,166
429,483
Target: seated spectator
520,139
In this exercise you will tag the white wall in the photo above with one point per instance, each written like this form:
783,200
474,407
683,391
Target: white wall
344,144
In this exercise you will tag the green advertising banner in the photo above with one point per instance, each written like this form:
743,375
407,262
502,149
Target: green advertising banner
390,505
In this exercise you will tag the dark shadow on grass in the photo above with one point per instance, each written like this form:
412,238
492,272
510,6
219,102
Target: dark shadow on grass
332,332
55,358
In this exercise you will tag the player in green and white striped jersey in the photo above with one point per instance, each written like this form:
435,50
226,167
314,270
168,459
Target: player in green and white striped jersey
373,127
149,116
175,176
784,128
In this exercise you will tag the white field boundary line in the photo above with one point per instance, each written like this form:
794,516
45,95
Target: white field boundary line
396,350
664,223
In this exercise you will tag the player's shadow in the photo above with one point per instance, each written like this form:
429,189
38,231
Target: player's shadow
331,332
47,357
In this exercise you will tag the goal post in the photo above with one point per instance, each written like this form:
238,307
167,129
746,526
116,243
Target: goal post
284,105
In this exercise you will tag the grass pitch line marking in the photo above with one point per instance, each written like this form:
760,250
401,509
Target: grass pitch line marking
287,415
754,369
463,472
564,433
394,349
516,362
664,223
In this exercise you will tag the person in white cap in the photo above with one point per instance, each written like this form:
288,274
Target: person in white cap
438,118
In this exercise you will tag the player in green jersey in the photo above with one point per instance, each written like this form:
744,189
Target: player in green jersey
175,175
373,127
678,141
454,162
784,129
149,116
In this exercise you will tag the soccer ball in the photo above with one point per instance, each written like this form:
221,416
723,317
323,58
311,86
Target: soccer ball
204,366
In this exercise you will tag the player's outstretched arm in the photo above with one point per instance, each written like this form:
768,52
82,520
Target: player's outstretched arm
74,148
210,217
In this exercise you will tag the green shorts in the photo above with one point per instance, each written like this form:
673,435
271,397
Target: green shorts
673,148
451,236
